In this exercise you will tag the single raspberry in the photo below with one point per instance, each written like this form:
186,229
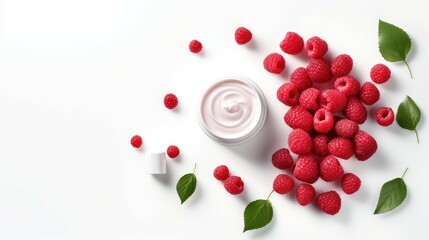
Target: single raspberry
350,183
301,79
282,159
136,141
221,172
298,117
292,43
330,169
329,202
243,35
274,63
305,194
283,184
195,46
300,141
341,65
384,116
288,94
341,147
306,168
320,145
355,110
309,98
365,145
170,101
173,151
319,70
347,85
380,73
323,121
316,47
346,128
234,185
332,100
369,93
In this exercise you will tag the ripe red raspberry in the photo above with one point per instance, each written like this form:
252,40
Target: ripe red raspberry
323,121
234,185
283,184
341,147
329,202
365,145
350,183
347,85
288,94
301,79
309,98
330,169
221,172
306,168
292,43
384,116
282,159
369,93
170,101
380,73
332,100
136,141
355,110
173,151
341,65
298,117
320,145
195,46
319,70
243,35
346,128
305,194
316,47
274,63
300,142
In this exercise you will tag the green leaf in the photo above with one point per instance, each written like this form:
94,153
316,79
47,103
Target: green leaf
257,214
186,186
392,194
408,115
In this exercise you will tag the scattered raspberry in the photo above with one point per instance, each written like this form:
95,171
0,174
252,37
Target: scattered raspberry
136,141
329,202
332,100
305,194
173,151
288,94
316,47
309,98
242,35
341,65
347,85
292,43
319,70
365,145
170,101
298,117
369,93
274,63
355,110
283,184
346,128
221,172
323,121
282,159
195,46
320,145
350,183
300,142
384,116
301,79
380,73
341,147
234,185
306,168
330,169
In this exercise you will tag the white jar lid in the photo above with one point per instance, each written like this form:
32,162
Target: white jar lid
155,163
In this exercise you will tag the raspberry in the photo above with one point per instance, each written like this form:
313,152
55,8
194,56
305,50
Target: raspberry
323,121
274,63
173,151
320,145
306,168
369,93
288,94
309,98
305,194
221,172
341,147
170,101
298,117
292,43
301,79
350,183
341,65
136,141
195,46
234,185
319,70
242,35
346,128
316,47
380,73
347,85
283,184
329,202
365,145
330,169
332,100
355,110
300,141
384,116
282,159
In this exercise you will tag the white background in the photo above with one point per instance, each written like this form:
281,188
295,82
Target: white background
79,78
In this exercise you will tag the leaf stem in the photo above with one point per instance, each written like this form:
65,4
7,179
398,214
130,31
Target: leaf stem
411,74
417,135
195,167
270,194
404,172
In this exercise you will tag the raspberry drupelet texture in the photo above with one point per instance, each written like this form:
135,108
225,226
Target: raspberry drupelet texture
330,169
365,145
369,93
292,43
288,94
341,147
195,46
221,172
319,70
173,151
320,145
355,110
136,141
234,185
346,128
283,184
323,120
170,101
329,202
341,65
348,85
274,63
305,194
332,100
380,73
306,168
350,183
384,116
309,98
301,79
242,35
300,142
282,159
316,47
298,117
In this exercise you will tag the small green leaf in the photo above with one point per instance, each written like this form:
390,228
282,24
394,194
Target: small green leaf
408,115
257,214
186,186
392,194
